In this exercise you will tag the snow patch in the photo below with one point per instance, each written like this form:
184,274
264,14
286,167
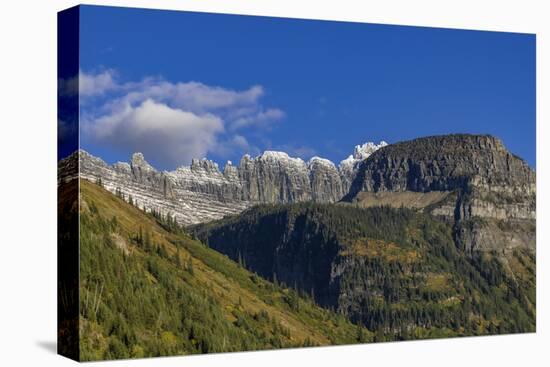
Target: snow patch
360,153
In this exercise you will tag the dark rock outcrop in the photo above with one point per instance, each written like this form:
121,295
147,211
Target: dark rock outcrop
490,183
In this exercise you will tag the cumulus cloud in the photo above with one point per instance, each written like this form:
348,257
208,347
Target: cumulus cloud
88,84
196,97
200,97
263,118
96,84
171,122
164,134
235,143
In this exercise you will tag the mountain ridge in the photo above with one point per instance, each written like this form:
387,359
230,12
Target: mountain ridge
470,175
201,191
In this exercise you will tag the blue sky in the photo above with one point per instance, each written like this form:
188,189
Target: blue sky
176,85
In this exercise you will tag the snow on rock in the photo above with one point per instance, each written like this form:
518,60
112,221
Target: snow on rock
201,192
348,167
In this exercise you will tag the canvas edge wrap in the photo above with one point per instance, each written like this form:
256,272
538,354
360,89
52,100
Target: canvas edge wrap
68,183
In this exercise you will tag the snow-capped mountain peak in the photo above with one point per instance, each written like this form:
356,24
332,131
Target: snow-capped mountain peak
360,153
322,161
365,150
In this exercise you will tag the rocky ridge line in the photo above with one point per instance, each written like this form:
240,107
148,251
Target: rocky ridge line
202,192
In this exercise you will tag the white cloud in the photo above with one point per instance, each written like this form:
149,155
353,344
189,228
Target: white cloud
88,84
96,84
260,118
172,121
199,97
164,134
235,143
240,141
196,97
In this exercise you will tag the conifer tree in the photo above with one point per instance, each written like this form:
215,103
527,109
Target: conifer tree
140,236
177,257
190,266
147,241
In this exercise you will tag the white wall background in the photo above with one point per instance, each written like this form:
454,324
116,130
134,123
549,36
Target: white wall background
28,181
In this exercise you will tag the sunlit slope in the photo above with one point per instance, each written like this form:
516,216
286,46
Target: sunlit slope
148,289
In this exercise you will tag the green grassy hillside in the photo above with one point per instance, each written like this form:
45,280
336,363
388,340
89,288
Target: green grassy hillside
148,289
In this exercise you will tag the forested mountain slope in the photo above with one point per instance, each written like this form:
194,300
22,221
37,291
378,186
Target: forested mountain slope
148,289
396,271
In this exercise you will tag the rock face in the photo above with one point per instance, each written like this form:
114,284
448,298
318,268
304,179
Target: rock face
190,194
274,177
349,166
201,192
488,182
444,163
326,183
